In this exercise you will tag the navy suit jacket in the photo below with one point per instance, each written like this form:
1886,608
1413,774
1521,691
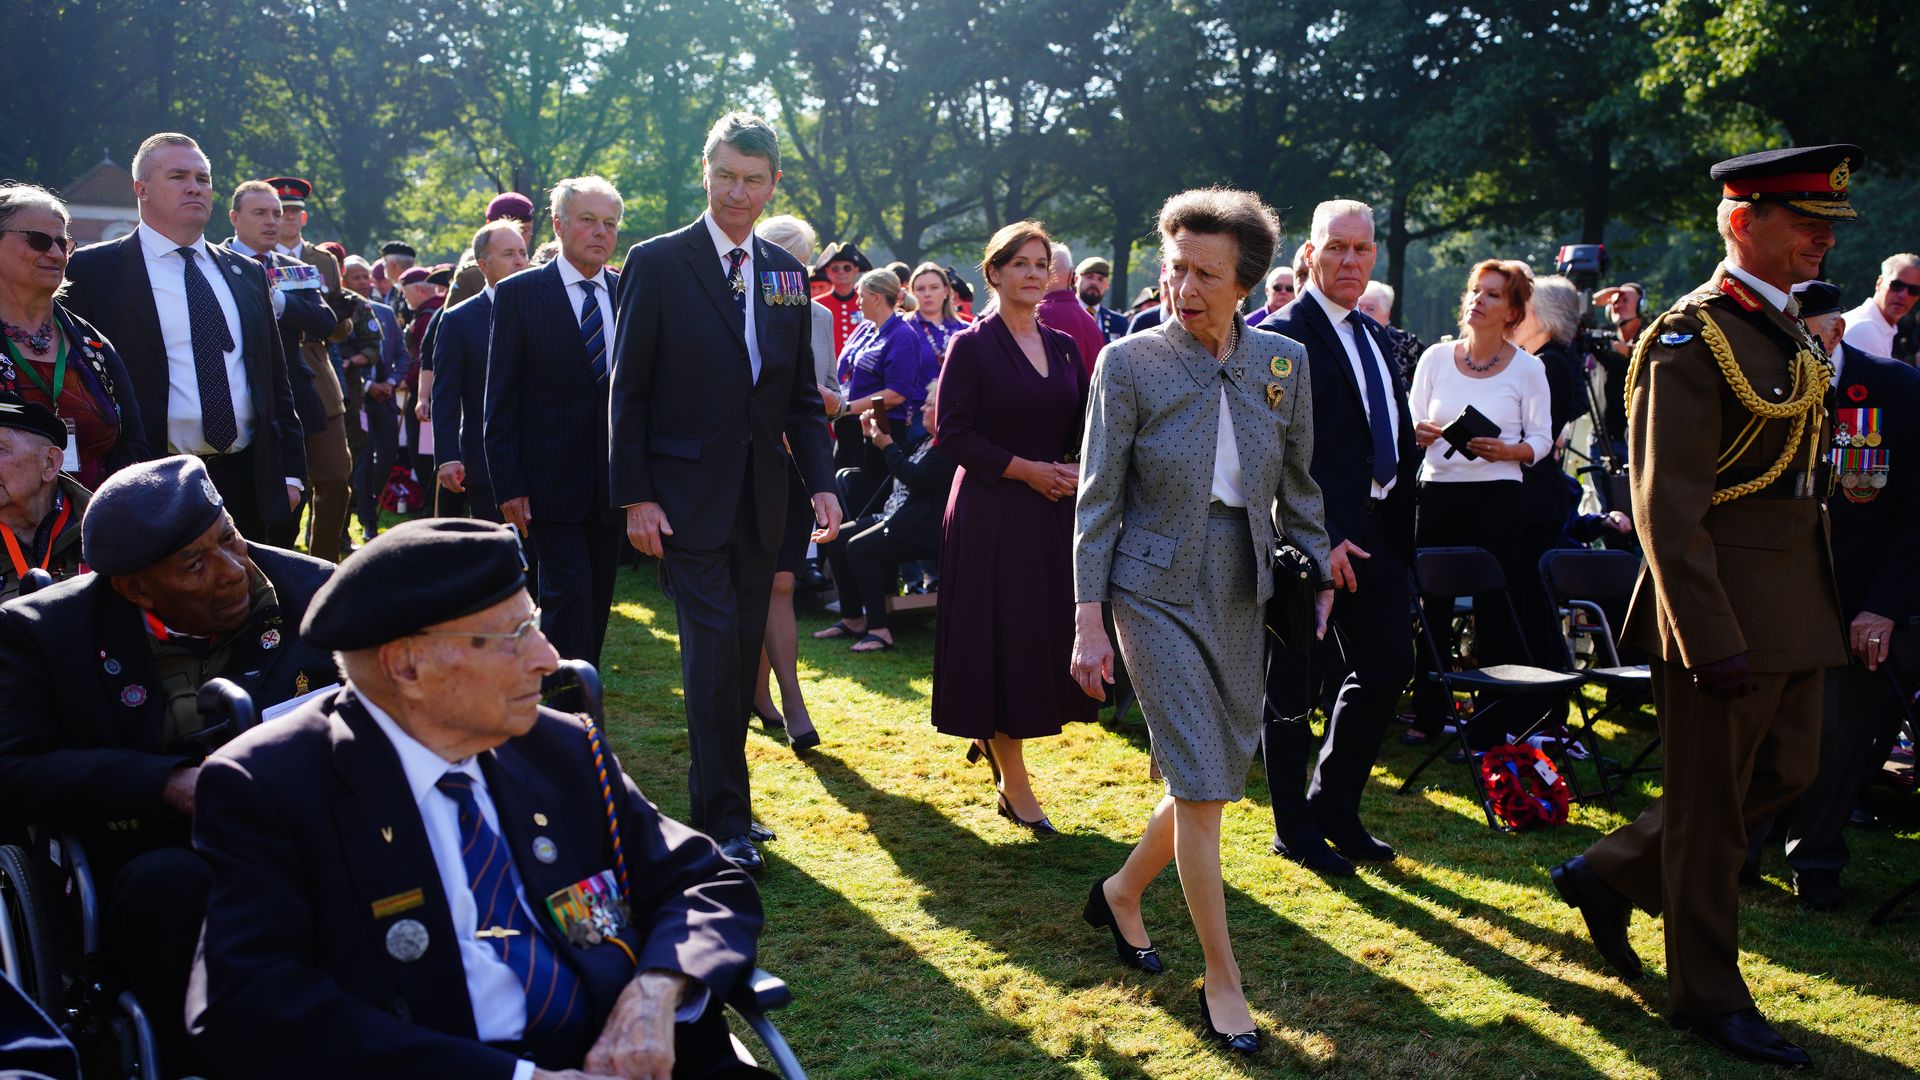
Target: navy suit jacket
545,416
109,288
318,850
1876,559
1113,325
689,421
305,312
460,386
82,715
1342,441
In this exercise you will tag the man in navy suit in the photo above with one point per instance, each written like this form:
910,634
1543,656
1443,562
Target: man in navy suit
194,324
713,368
460,373
1365,461
546,415
1875,514
426,873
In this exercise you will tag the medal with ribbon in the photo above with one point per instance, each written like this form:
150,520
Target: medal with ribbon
783,288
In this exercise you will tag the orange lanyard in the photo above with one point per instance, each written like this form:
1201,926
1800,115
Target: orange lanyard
19,557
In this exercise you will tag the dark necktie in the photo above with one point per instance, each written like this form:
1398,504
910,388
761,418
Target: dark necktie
593,332
554,1001
737,284
1379,406
212,340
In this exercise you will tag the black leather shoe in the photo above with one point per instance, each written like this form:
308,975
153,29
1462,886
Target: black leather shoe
759,833
1313,853
1746,1034
1039,827
768,721
1608,914
1243,1042
1819,890
1358,845
805,740
1100,913
740,851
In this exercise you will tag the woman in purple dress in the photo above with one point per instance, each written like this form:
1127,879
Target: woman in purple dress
1012,395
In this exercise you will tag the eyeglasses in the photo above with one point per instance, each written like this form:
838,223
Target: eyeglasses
518,635
1893,287
44,242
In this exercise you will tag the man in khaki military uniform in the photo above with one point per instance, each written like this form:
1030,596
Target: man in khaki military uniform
329,465
1728,407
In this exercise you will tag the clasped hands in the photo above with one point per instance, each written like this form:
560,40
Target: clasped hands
1054,479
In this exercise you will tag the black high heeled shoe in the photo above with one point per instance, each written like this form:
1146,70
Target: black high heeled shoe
978,749
1040,827
1244,1042
1100,913
768,722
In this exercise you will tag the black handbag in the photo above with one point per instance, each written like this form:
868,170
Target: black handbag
1296,581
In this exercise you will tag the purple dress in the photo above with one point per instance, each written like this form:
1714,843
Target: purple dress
1003,639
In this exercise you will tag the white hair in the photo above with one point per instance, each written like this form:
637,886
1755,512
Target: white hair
1061,269
1895,263
1379,290
565,190
1556,305
1326,212
1273,275
792,234
353,261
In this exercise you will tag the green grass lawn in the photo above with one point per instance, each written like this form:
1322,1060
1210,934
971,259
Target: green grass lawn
924,936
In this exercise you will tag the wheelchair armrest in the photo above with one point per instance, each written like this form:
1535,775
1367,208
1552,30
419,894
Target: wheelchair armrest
760,992
86,890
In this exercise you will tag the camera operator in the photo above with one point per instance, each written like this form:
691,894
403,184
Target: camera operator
1626,304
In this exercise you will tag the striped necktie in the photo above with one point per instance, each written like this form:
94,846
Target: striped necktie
212,340
554,998
592,331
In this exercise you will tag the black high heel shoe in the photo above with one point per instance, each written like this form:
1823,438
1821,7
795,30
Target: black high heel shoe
768,721
978,749
1100,913
1040,827
1245,1042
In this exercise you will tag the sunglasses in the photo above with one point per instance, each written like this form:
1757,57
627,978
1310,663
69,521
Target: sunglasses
1893,287
44,242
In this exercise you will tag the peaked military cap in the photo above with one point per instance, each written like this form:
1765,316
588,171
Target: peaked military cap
1810,180
293,190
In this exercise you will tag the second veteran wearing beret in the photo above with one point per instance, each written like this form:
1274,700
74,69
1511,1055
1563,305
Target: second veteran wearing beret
1729,409
40,506
100,732
431,869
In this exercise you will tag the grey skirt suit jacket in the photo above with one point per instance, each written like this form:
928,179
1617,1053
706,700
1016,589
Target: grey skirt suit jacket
1189,583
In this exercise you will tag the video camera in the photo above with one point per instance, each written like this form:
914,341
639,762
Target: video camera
1585,265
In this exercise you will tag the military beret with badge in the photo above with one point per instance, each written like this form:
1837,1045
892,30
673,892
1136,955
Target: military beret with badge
31,416
148,511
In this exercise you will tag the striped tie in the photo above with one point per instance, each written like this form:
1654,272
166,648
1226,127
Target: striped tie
593,331
212,340
554,1001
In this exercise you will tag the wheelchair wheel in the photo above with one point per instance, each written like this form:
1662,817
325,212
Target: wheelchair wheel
26,930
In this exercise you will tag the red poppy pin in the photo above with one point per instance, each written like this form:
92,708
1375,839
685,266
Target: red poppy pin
1857,392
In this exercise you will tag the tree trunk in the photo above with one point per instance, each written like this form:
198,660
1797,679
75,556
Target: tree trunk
1397,242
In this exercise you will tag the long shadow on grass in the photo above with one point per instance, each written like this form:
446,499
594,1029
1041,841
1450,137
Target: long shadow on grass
1024,899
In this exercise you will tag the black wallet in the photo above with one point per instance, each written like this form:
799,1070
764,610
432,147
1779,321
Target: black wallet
1470,424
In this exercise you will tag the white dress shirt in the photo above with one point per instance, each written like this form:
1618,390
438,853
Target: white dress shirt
1343,330
1227,486
576,297
1868,329
721,245
1516,398
499,1002
1767,292
279,298
167,275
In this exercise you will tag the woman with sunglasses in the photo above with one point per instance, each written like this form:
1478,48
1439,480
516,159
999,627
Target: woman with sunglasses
52,356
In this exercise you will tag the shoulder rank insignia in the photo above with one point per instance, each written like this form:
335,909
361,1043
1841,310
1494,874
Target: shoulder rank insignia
1671,340
1741,294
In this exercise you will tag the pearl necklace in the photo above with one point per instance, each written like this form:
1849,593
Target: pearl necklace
1233,341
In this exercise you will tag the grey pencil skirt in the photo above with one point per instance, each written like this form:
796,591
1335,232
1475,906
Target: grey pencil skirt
1197,668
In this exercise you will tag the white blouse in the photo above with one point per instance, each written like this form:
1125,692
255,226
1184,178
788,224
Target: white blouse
1516,398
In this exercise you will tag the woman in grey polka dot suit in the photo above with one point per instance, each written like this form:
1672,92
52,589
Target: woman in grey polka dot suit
1199,436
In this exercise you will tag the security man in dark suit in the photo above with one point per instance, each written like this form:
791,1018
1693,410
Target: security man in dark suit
198,338
545,426
1876,563
428,874
460,377
713,368
100,731
1729,417
1365,461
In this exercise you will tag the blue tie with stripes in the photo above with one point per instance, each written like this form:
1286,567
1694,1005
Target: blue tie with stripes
554,1000
593,331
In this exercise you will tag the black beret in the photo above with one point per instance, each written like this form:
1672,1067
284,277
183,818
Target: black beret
17,412
1809,180
415,575
398,247
146,512
1817,298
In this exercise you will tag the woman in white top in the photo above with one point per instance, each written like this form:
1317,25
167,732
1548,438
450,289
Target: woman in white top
1477,502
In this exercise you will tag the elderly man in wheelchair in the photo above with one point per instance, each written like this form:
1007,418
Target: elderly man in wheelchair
102,734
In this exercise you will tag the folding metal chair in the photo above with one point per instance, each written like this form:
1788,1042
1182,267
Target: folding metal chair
1902,667
1472,571
1581,583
